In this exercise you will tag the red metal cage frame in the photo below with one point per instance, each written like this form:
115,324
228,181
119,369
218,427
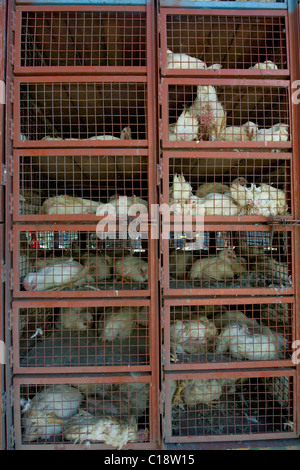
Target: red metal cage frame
169,366
18,69
86,380
164,87
283,73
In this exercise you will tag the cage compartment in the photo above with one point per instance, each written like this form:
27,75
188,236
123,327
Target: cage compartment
223,113
80,111
211,334
239,406
220,260
111,336
214,184
78,184
88,260
251,43
70,413
72,40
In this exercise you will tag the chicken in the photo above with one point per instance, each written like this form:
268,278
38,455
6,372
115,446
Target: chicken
125,135
131,269
49,137
180,190
208,188
244,133
119,324
243,342
267,65
186,128
219,204
225,265
84,427
191,335
209,112
262,200
62,401
205,391
277,133
67,205
180,263
75,318
224,319
99,267
52,276
127,205
184,61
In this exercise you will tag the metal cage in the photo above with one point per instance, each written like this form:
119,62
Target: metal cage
218,260
223,186
67,336
229,406
213,334
250,43
224,113
83,408
70,39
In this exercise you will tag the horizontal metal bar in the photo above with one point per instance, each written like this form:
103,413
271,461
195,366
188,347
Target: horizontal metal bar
224,5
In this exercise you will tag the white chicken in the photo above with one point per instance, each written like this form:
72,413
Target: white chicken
205,391
186,127
276,133
180,189
267,65
126,205
61,401
119,324
131,269
75,318
52,276
67,205
244,343
209,111
225,265
125,135
262,200
99,267
244,133
219,204
191,335
85,427
207,188
184,61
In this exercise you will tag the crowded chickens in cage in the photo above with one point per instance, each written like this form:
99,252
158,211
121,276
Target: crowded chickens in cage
215,199
219,333
206,119
77,414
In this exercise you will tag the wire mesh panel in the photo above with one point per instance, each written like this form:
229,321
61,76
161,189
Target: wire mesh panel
112,335
221,259
210,334
253,43
208,184
225,113
68,112
67,262
230,406
79,185
96,413
70,39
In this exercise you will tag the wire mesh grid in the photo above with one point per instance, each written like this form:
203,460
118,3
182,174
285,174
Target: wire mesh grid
80,184
193,41
107,336
90,38
214,186
112,413
63,113
204,407
90,259
210,334
217,111
220,258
